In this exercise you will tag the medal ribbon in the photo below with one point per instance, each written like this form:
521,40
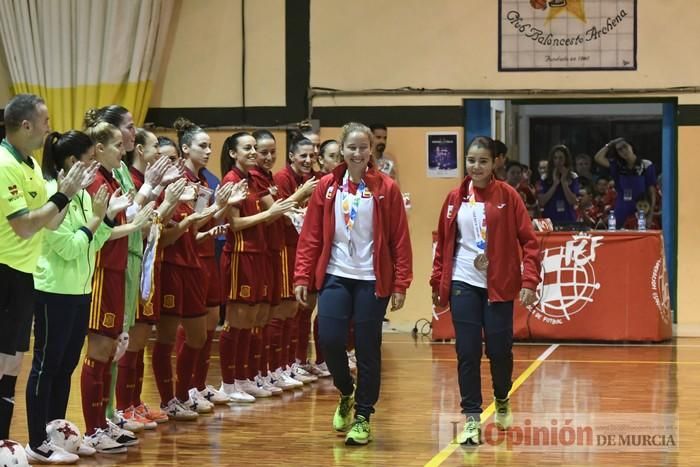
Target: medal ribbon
479,230
351,203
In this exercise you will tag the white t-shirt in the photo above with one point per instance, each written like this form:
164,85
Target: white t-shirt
470,226
358,265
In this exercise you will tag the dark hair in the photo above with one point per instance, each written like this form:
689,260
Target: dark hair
325,144
297,139
567,159
263,134
603,177
613,154
501,148
644,196
113,114
165,141
60,146
20,108
512,163
483,142
582,155
230,144
186,131
141,136
377,126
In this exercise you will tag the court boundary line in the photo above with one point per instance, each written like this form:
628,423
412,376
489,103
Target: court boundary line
446,452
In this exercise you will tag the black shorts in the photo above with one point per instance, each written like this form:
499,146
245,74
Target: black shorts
16,310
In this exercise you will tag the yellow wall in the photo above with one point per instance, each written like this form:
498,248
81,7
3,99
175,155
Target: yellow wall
202,63
453,44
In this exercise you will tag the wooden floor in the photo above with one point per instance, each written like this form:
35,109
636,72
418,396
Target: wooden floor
419,399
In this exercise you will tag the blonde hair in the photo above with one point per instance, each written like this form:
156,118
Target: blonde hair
98,130
354,127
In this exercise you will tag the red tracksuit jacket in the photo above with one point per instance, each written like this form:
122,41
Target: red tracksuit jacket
509,229
392,254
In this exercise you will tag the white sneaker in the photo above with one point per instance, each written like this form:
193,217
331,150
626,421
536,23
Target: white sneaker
235,393
252,388
120,435
198,403
85,450
101,442
264,382
320,370
49,453
285,380
298,373
175,410
126,423
213,395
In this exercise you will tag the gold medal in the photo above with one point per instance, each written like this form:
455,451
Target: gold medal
481,262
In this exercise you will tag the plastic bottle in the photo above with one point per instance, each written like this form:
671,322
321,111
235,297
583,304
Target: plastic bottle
612,223
641,220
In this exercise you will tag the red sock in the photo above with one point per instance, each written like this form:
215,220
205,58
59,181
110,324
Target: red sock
179,339
289,341
242,354
91,378
265,354
163,371
228,342
126,380
186,360
201,369
255,354
136,397
274,328
106,384
317,344
304,323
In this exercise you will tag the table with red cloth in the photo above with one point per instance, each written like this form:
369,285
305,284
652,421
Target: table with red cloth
597,285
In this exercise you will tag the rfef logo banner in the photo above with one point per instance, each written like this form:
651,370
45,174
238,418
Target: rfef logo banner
556,35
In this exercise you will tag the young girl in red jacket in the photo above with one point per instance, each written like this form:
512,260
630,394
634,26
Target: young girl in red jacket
355,247
477,271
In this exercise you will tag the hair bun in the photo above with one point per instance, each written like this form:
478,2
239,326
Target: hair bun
183,125
92,117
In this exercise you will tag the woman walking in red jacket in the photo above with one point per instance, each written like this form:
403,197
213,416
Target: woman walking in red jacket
477,270
355,247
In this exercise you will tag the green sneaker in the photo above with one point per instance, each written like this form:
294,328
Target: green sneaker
471,435
504,416
360,433
342,419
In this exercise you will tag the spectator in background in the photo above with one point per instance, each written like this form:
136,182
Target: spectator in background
632,175
643,205
385,163
587,211
499,167
583,164
542,168
514,177
604,194
559,189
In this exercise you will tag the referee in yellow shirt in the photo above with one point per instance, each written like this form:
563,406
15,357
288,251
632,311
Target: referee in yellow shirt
24,212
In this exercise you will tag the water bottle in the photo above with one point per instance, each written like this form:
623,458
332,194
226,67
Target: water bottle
612,223
641,220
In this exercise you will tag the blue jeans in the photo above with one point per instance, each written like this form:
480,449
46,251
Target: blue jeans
340,301
472,313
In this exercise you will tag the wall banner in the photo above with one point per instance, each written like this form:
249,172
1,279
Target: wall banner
567,35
